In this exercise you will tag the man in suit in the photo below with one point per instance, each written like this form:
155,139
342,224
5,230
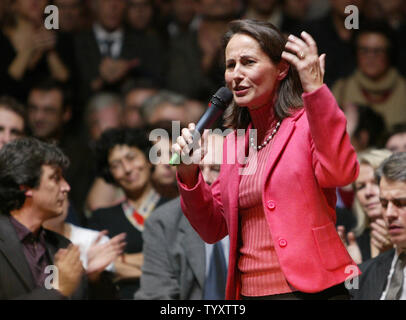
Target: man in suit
383,278
176,259
32,190
108,55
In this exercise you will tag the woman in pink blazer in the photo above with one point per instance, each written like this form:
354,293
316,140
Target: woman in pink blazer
275,197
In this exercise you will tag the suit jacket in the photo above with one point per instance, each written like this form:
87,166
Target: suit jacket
174,256
16,280
311,155
374,277
135,46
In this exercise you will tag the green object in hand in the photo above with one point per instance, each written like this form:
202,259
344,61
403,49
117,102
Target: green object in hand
175,160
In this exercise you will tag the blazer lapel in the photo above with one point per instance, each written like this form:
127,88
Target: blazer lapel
194,249
382,271
93,47
12,248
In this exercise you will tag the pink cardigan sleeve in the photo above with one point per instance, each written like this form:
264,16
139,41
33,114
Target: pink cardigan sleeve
203,208
334,159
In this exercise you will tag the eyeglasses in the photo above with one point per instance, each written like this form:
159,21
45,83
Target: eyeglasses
374,51
398,203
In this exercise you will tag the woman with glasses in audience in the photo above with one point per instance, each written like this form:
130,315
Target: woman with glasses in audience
375,82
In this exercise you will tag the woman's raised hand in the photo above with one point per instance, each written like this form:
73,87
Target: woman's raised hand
302,53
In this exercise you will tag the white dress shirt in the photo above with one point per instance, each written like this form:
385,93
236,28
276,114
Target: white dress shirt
115,37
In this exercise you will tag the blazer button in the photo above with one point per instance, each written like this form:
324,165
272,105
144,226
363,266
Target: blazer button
283,243
270,204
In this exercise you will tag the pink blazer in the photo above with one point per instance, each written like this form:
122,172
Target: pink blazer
311,155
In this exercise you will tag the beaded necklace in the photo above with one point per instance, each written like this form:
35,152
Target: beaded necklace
267,140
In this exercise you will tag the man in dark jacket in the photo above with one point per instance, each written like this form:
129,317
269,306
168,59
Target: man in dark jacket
383,278
35,263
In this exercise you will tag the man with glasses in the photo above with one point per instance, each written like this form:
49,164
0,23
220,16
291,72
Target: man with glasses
384,276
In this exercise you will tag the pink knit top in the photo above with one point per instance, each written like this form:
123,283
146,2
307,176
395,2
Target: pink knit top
258,263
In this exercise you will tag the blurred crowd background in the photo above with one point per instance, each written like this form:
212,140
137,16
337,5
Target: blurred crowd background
144,63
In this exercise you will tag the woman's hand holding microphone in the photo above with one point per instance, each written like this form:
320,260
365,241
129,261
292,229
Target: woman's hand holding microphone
188,167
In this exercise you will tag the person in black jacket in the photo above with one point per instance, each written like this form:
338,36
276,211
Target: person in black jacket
384,276
32,190
37,263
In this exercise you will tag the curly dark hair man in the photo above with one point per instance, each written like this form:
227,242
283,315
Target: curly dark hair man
33,190
21,167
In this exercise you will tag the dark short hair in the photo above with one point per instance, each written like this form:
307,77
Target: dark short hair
272,42
132,137
396,129
372,122
165,125
21,164
48,84
393,168
11,104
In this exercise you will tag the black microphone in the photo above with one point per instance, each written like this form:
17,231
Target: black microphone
218,104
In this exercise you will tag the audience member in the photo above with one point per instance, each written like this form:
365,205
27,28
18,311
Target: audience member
365,126
71,15
49,111
266,10
396,140
140,16
33,190
122,159
176,259
287,15
318,8
163,174
12,120
164,105
334,39
371,233
392,12
104,111
29,50
375,82
108,55
95,247
371,10
184,17
294,15
383,278
196,63
134,97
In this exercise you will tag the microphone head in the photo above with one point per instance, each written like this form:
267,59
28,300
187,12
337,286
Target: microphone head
222,98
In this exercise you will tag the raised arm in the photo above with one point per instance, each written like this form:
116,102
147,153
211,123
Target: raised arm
334,158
